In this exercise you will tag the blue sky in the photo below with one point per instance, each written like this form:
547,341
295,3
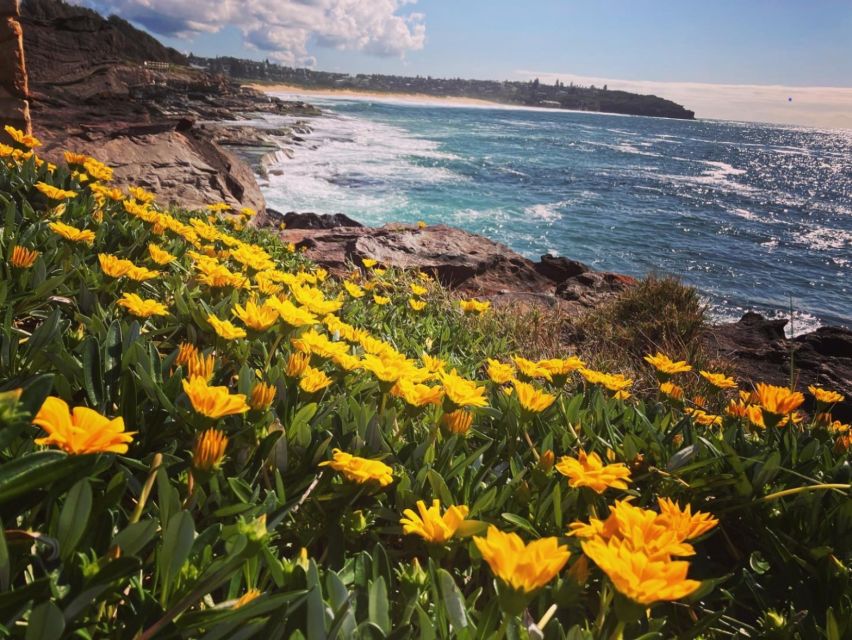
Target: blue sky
788,43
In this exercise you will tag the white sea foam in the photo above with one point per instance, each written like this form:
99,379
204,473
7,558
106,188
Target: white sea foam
548,212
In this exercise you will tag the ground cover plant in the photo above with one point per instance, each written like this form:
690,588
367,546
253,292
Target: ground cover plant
204,435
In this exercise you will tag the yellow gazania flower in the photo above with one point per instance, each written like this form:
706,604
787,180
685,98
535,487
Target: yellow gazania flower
353,289
637,576
142,308
262,395
825,396
98,170
561,367
500,373
20,137
379,272
666,365
113,266
219,207
463,392
291,314
474,306
141,274
201,366
685,524
257,317
140,195
387,368
719,380
381,300
296,364
248,596
432,364
588,470
750,412
430,525
23,258
72,233
531,399
524,567
672,390
72,158
80,431
160,255
417,290
313,380
369,262
529,369
417,395
54,193
703,418
614,382
416,305
360,470
458,421
225,329
421,224
346,361
777,400
314,300
213,402
248,212
186,352
209,450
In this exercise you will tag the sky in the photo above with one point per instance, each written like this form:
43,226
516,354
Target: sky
724,59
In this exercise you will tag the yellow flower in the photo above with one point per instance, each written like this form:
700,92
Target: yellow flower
314,300
248,212
113,266
225,328
416,305
80,431
524,567
666,365
588,470
463,392
20,137
141,274
209,450
23,258
186,352
219,207
685,524
380,300
248,596
257,317
751,412
75,158
213,402
353,289
672,390
386,369
430,525
291,314
140,195
98,170
561,367
614,382
703,418
531,399
313,380
458,421
719,380
777,400
417,290
159,255
201,366
54,193
825,396
432,364
262,395
474,306
360,470
421,224
296,364
530,370
72,233
369,262
637,576
142,308
500,373
417,395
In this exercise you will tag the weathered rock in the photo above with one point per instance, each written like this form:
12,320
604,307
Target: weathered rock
759,351
309,220
14,90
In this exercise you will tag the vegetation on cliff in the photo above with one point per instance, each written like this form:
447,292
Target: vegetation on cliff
202,434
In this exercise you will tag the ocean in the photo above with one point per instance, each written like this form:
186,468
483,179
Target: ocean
756,216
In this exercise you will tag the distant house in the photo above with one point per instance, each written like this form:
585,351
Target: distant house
549,103
156,66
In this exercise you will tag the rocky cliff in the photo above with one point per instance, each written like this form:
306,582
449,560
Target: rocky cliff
14,91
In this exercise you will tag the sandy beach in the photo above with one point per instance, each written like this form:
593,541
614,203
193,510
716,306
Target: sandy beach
376,95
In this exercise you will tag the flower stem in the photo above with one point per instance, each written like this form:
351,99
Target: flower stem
810,487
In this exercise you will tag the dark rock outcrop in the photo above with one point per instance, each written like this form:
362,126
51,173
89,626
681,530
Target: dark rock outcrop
309,220
14,92
759,350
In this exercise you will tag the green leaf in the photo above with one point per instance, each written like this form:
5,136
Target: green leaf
133,538
177,542
46,622
44,334
5,566
92,381
454,604
37,470
378,605
523,523
74,517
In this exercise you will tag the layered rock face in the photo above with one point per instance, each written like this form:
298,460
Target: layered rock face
14,106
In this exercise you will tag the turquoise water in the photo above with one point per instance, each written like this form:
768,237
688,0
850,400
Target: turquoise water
751,214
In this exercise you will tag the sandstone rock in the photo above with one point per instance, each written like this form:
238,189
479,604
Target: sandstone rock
9,7
309,220
760,352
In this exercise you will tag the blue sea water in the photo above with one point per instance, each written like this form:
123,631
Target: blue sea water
753,215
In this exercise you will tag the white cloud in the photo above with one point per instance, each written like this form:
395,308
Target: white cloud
284,28
829,107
